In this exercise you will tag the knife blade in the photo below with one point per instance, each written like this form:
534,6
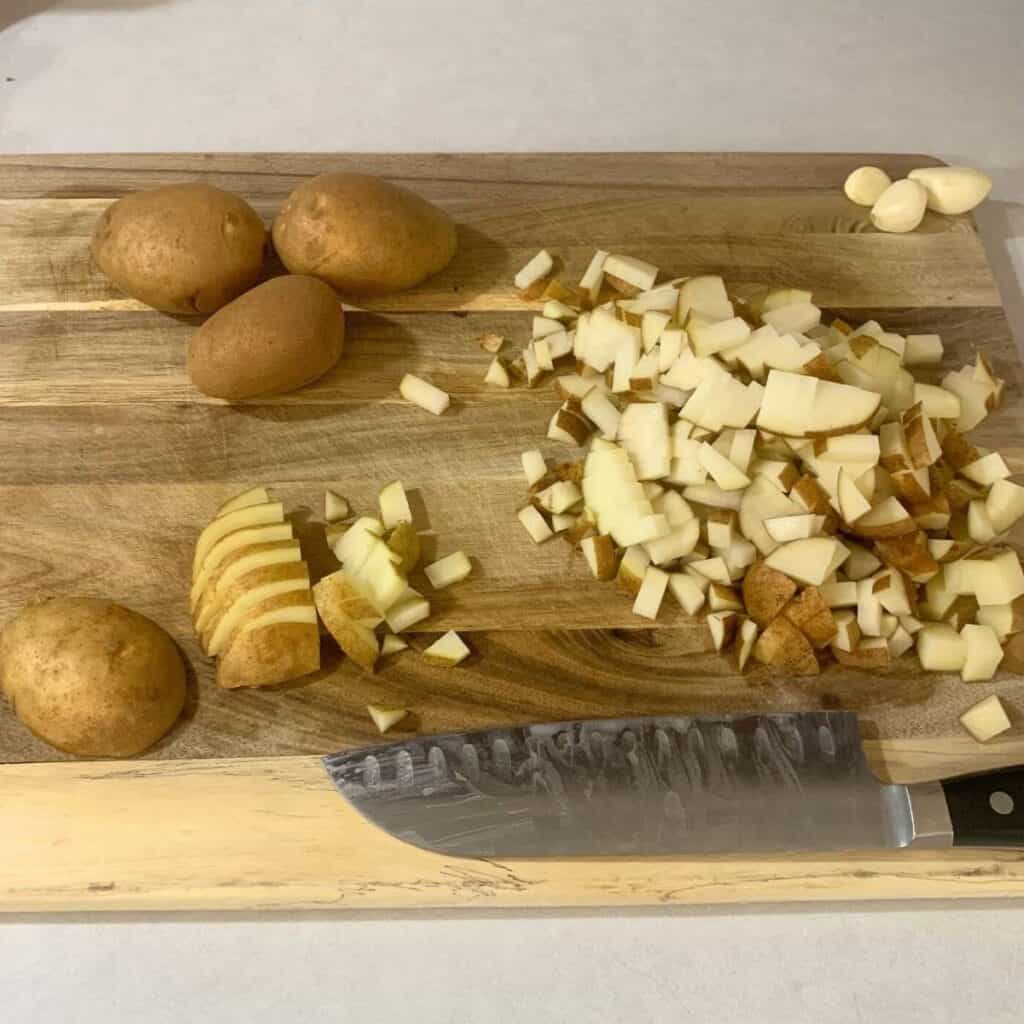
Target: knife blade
747,783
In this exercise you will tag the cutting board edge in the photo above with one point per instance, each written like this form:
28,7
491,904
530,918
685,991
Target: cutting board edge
269,833
80,838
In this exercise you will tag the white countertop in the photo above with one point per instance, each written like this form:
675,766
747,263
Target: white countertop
918,76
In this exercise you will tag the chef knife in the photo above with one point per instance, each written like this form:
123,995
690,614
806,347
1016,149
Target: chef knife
666,785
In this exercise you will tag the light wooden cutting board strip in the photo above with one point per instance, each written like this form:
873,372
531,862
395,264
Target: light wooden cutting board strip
270,833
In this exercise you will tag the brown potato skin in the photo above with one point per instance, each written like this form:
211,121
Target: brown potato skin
270,655
280,336
187,248
91,677
362,235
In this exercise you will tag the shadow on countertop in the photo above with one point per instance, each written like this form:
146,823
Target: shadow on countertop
1001,228
13,11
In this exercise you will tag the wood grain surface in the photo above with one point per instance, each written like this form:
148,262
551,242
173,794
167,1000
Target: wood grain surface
268,834
110,463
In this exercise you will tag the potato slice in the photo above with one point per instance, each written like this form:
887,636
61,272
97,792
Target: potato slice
723,599
784,648
652,591
1004,504
378,574
238,564
275,648
629,275
394,505
632,567
253,496
420,392
266,564
593,276
744,644
940,648
534,467
983,655
349,615
240,518
391,644
599,551
409,610
535,524
986,719
404,541
448,570
286,583
497,374
448,650
687,591
887,518
766,592
994,579
335,507
353,547
810,613
536,270
385,718
231,544
809,561
870,652
910,554
723,627
847,632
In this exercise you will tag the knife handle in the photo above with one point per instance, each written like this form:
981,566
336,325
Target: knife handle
987,810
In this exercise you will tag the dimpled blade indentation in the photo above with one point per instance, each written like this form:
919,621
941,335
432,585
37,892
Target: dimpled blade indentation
693,784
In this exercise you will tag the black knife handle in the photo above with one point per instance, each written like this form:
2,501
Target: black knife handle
987,810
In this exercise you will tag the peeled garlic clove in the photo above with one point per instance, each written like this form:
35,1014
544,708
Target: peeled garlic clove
864,185
952,189
900,207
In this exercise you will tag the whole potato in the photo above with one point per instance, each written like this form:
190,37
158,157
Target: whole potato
276,338
91,677
362,235
181,248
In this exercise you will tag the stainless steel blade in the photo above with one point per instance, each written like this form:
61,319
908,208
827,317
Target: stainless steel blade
638,787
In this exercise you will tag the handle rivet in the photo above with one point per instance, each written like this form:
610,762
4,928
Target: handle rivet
1001,802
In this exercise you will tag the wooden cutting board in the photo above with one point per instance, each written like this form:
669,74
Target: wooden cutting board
110,463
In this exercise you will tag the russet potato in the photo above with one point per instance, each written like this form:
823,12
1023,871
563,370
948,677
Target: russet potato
187,248
363,235
91,677
278,337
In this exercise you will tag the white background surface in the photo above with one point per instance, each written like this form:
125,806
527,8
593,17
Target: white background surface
916,76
